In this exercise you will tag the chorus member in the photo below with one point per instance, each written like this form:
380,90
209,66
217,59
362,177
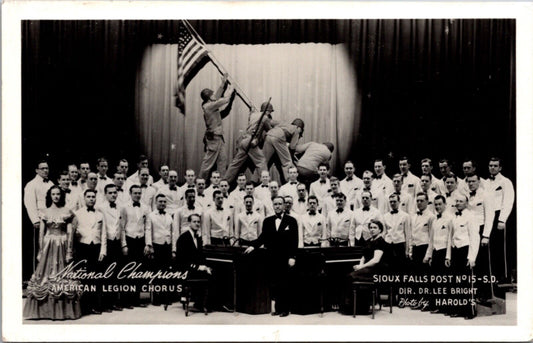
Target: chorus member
397,234
372,263
115,253
74,176
280,238
213,105
425,187
465,246
190,183
469,169
91,245
312,155
321,187
248,223
171,193
258,205
339,223
214,184
163,174
410,183
250,141
421,222
55,252
148,192
276,142
445,169
201,197
269,205
378,198
481,206
135,178
381,180
102,166
160,234
407,203
123,194
502,191
218,222
452,191
361,218
351,183
181,220
35,193
329,202
133,221
290,187
237,196
427,168
85,169
312,228
262,191
123,167
71,195
288,201
300,202
91,184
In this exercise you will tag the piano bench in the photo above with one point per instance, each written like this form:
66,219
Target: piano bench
358,285
195,284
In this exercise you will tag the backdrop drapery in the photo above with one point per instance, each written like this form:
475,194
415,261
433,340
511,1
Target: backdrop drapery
314,82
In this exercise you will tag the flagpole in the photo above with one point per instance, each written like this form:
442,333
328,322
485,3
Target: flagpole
221,69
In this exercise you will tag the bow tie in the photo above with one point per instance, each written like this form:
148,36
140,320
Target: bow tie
191,208
200,195
45,180
397,193
312,213
404,176
67,190
492,177
340,210
349,178
173,188
366,208
90,209
294,183
214,186
458,213
393,211
220,208
119,189
144,186
263,186
301,200
112,205
190,186
162,212
83,181
366,189
249,213
279,216
439,215
419,213
448,195
473,194
74,183
378,177
102,178
226,196
136,204
322,181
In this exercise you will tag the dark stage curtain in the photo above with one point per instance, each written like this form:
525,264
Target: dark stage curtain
437,88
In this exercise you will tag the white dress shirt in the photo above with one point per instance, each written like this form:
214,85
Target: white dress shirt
502,191
35,197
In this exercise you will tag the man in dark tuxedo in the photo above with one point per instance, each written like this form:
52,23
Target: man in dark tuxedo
280,238
189,255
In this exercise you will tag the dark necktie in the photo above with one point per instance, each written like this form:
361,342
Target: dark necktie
90,209
162,212
136,204
340,210
394,211
459,213
112,205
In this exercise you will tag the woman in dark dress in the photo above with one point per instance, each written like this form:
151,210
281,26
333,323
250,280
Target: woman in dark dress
372,263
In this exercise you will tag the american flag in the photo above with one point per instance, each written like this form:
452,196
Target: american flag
191,55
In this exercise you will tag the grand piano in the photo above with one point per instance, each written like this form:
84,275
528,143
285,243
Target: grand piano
241,279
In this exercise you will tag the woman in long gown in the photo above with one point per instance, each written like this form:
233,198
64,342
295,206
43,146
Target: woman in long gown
50,296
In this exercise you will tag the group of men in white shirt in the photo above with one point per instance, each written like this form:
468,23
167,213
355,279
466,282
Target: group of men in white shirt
142,218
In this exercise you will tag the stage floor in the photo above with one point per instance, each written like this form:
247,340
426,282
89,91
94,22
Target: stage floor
176,315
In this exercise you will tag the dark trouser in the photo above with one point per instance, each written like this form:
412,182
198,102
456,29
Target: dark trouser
418,266
465,306
135,254
30,247
499,251
438,268
281,280
483,270
162,261
90,252
114,255
398,261
311,244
